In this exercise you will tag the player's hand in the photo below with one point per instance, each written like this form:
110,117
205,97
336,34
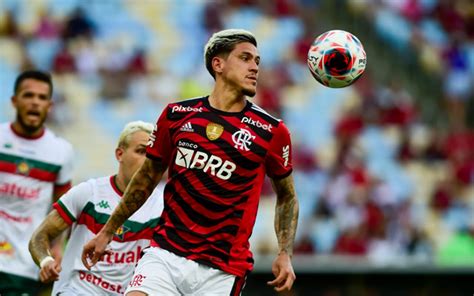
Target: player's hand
283,272
94,250
50,272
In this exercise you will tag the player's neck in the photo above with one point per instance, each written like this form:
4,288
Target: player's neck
120,182
21,131
227,100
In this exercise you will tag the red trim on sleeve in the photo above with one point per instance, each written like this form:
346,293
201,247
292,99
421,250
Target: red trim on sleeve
276,177
63,213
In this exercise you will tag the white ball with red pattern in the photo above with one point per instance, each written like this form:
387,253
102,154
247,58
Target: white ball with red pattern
336,58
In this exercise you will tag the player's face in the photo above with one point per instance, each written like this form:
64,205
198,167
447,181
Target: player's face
132,157
241,68
32,103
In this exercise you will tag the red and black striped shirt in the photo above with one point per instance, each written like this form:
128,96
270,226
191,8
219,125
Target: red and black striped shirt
217,162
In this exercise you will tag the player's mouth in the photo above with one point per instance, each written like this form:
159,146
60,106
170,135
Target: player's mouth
33,115
253,79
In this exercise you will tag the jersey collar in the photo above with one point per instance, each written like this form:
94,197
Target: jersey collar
113,183
240,113
27,137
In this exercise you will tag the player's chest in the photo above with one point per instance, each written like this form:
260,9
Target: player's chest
40,150
222,137
31,160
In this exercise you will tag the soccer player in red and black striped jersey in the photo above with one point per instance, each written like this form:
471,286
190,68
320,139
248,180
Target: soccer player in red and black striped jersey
217,150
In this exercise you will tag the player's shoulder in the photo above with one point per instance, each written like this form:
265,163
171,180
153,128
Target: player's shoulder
187,105
58,141
82,190
176,110
99,182
259,112
92,185
6,130
4,126
54,141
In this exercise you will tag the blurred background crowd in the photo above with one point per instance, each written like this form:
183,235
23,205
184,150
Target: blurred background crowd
384,169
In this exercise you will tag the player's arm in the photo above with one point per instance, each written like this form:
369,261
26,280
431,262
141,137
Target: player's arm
140,188
58,243
286,220
40,246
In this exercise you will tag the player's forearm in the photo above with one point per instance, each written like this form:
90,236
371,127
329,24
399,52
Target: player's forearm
286,221
39,246
133,199
286,213
140,188
40,242
57,244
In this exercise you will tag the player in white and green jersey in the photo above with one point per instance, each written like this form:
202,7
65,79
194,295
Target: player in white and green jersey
35,170
85,209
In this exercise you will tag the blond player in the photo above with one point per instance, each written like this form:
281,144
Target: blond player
85,209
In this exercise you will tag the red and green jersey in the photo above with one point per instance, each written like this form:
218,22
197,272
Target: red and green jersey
30,169
217,162
87,207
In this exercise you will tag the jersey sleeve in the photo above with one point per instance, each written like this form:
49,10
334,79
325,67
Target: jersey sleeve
159,144
65,174
278,161
70,205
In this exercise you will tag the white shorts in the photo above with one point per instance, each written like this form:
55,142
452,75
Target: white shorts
160,272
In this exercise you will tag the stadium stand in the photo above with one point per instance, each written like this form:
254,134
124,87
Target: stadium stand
381,183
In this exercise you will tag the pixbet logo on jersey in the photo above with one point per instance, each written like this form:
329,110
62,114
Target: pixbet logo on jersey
257,123
192,159
180,108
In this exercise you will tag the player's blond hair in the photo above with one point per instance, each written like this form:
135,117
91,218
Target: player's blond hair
131,128
222,43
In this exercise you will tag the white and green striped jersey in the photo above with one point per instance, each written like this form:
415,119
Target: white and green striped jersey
87,207
30,168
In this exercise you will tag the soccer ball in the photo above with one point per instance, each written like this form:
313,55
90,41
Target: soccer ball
336,58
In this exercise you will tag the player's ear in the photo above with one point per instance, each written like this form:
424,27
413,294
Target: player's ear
50,105
13,100
217,64
119,153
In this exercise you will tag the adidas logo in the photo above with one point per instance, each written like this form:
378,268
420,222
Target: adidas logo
187,127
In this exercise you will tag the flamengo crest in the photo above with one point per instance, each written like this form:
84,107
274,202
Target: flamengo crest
242,139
